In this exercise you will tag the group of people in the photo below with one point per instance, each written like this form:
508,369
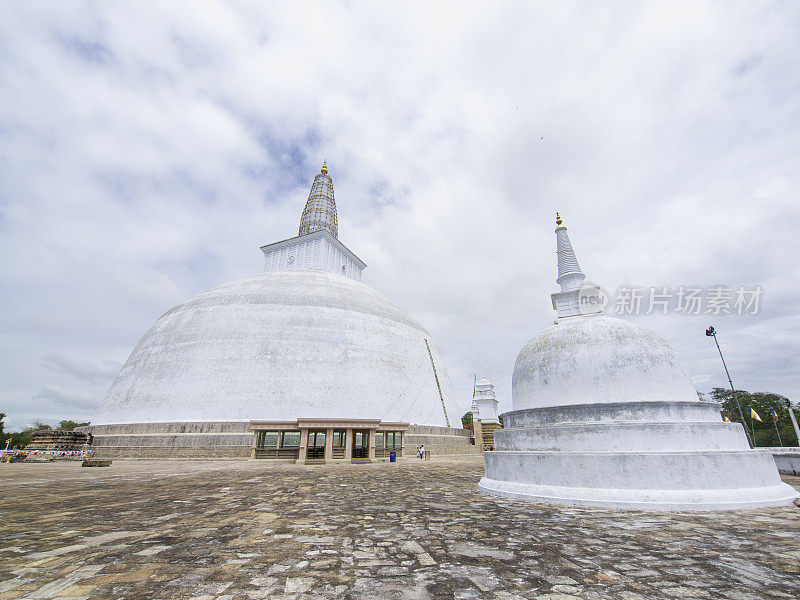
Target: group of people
421,451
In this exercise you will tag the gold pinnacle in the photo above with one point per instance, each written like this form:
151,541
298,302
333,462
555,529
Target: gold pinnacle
558,220
324,170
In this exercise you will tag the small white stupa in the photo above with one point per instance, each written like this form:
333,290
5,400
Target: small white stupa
484,414
604,415
485,402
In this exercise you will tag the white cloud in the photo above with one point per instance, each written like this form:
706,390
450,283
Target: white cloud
86,370
71,399
148,149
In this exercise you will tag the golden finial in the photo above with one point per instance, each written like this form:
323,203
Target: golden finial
558,221
324,170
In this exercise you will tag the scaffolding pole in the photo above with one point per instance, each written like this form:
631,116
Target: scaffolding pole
439,387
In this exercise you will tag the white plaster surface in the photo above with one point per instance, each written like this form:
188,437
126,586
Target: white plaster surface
605,415
316,251
281,346
691,480
625,437
616,412
787,459
623,471
661,500
598,359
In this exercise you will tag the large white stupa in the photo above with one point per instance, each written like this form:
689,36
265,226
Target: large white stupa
605,415
302,361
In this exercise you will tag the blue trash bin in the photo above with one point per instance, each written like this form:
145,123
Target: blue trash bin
392,456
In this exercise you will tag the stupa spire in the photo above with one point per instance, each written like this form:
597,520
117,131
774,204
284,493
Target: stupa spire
575,297
570,276
320,210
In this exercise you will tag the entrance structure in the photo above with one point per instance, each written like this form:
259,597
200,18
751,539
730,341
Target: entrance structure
604,415
320,440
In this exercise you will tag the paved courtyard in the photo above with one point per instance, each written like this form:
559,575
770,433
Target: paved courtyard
410,530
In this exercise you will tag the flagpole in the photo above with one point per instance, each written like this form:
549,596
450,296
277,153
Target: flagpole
711,332
774,416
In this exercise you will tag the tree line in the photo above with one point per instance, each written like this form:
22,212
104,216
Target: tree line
768,431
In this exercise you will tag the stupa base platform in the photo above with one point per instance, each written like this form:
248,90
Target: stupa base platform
659,481
654,500
234,440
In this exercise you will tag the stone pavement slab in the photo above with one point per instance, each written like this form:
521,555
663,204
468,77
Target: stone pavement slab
406,531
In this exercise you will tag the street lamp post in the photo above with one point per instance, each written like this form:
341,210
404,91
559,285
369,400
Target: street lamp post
711,332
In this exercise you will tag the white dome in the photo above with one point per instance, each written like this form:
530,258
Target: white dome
597,360
281,346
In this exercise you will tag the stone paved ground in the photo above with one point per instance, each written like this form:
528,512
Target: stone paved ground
242,530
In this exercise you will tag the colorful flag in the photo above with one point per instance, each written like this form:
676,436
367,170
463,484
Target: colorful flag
727,420
773,413
754,415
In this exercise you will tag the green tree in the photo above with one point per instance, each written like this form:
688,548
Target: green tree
68,425
764,432
466,420
3,435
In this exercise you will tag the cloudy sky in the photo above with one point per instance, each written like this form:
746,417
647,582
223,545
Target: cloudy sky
147,149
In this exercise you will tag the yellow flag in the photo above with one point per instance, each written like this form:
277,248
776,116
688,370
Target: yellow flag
754,415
